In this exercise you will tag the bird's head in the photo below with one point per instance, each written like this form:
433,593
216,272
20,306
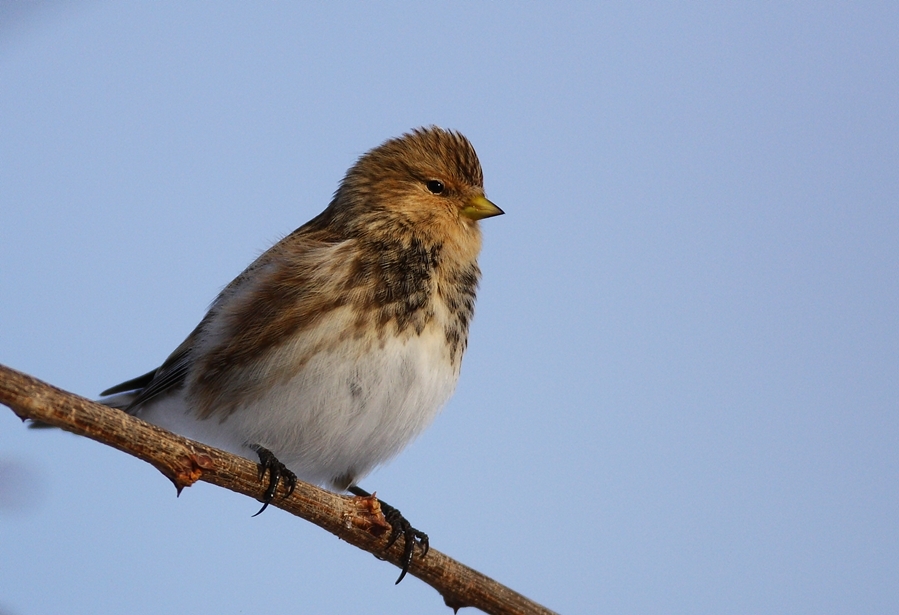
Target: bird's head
428,180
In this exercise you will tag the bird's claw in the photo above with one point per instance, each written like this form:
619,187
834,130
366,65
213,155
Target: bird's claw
400,526
277,473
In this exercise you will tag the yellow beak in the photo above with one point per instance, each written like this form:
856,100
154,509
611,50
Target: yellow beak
479,208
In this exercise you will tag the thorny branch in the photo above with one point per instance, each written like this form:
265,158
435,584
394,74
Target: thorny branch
357,521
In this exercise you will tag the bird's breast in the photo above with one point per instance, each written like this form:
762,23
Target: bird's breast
351,405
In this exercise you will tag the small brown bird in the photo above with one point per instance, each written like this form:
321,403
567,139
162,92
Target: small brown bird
340,344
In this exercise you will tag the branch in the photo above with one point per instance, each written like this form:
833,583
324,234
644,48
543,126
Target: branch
357,521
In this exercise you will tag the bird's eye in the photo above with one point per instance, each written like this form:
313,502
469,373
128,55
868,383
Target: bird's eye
436,186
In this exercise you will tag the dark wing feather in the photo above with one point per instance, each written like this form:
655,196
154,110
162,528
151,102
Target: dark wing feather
132,385
169,376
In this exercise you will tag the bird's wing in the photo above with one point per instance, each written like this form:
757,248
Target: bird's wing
253,327
170,375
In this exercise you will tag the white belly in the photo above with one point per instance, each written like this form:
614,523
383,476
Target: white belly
341,415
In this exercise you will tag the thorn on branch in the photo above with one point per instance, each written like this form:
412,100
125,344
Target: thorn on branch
189,471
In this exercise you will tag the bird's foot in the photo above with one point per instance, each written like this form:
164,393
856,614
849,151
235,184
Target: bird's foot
277,472
400,526
411,536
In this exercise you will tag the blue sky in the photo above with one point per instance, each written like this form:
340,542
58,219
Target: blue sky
682,381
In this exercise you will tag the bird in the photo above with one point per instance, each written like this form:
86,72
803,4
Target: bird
341,343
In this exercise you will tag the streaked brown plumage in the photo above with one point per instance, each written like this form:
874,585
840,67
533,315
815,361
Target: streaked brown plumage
340,343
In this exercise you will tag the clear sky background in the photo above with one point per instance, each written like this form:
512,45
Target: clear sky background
681,393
